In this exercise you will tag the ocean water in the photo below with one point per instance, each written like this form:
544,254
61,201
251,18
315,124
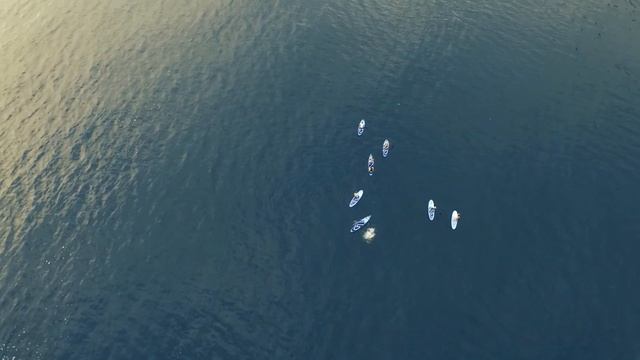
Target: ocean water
174,179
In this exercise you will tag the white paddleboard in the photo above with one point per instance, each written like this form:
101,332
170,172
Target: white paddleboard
357,224
356,197
370,165
385,148
454,219
431,210
361,126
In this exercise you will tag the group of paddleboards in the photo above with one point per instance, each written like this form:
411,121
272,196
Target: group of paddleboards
385,148
431,212
431,207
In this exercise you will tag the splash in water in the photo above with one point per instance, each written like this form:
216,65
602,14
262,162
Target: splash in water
369,234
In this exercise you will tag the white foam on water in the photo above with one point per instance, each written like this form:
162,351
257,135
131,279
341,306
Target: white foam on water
369,234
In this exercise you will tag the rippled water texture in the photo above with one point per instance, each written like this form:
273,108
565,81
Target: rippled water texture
174,179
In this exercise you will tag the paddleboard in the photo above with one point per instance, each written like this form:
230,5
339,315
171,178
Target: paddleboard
454,219
357,224
361,127
356,197
431,210
370,165
385,148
